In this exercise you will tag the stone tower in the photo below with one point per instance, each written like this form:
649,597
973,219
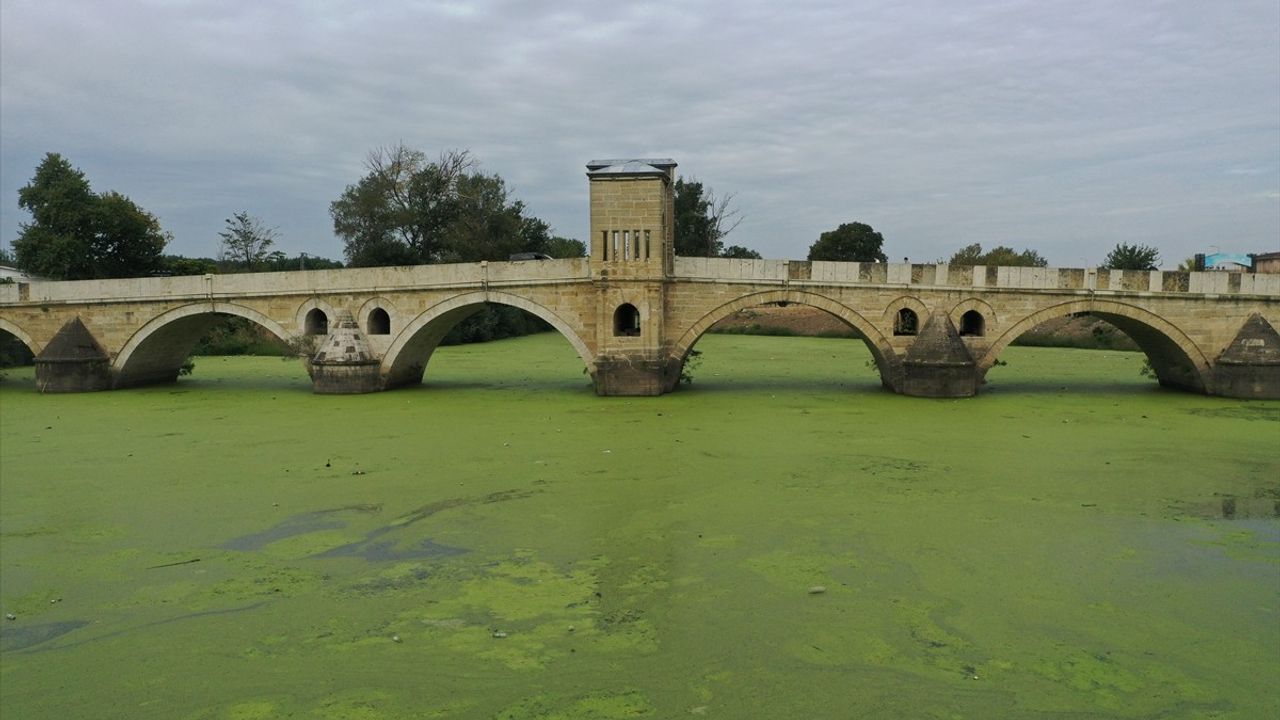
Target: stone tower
632,217
632,252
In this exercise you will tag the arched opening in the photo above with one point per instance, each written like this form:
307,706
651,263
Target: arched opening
972,324
1094,345
441,331
626,321
317,323
786,339
906,322
173,343
379,322
15,357
13,351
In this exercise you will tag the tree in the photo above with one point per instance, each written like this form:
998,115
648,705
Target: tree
407,211
851,242
563,247
180,265
487,225
277,261
739,252
999,255
702,219
246,240
76,234
1132,257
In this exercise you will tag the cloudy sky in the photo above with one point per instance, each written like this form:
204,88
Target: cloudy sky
1064,126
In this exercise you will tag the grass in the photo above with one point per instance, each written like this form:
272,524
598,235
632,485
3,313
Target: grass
500,543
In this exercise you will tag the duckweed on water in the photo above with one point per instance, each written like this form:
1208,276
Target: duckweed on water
1074,542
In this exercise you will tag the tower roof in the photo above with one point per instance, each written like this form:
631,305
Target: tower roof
635,167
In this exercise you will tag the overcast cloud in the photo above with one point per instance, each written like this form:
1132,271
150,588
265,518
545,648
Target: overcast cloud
1063,126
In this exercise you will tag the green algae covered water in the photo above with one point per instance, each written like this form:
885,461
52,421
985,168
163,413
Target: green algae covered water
781,539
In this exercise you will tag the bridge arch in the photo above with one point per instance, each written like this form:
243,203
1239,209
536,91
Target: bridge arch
406,359
1177,360
22,335
887,361
157,350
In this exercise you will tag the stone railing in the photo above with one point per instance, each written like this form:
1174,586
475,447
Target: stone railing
979,276
308,282
298,282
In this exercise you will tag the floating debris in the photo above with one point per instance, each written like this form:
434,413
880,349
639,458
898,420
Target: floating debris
499,634
817,589
174,564
395,638
10,616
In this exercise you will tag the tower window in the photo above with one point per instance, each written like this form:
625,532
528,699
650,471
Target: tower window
626,321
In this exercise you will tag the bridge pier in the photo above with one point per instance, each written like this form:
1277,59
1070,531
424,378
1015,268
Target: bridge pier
635,375
73,361
938,365
344,364
1250,366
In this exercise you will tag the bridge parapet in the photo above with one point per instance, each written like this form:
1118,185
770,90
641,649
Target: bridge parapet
298,282
976,276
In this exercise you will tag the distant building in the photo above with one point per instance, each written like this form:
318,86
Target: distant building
1229,262
1267,262
8,273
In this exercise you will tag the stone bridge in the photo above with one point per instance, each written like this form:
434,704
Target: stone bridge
633,311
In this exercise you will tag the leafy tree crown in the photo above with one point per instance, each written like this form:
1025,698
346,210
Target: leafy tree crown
851,242
75,234
1132,257
999,255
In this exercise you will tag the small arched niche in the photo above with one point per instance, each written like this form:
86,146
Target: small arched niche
906,322
626,321
972,324
379,322
317,323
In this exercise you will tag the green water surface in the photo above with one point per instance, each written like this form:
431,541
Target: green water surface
500,543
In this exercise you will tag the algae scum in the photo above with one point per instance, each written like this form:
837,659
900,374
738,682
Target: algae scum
500,543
